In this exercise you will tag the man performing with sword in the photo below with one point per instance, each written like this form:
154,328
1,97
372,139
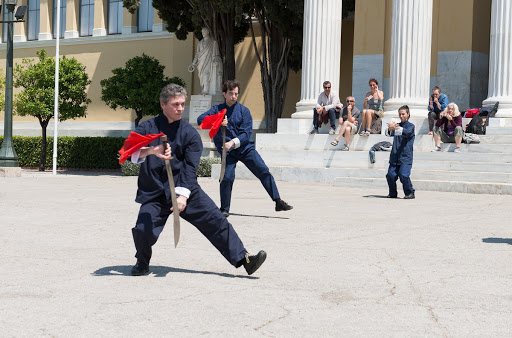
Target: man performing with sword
154,192
236,143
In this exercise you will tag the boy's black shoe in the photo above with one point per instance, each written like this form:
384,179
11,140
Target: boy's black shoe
282,205
409,197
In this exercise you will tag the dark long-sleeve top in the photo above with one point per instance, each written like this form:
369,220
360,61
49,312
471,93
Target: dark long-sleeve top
186,149
403,142
449,126
239,128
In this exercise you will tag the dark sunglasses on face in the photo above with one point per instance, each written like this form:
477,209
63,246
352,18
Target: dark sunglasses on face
350,101
327,87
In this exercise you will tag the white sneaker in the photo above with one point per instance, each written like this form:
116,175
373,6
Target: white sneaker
456,150
332,131
436,149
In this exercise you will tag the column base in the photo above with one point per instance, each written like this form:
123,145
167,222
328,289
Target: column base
10,172
45,36
417,107
129,29
71,35
304,106
504,108
99,32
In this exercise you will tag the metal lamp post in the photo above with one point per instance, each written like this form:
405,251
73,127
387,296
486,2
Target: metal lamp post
8,157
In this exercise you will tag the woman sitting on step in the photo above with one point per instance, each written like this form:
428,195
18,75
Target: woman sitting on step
448,128
372,107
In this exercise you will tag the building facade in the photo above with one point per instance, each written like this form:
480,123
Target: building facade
409,46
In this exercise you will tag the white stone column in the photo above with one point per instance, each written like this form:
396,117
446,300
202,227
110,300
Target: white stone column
321,52
500,58
411,40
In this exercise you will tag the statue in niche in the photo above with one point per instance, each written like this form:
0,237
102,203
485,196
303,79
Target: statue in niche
209,64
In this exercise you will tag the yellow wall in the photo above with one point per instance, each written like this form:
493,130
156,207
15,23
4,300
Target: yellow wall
99,60
369,31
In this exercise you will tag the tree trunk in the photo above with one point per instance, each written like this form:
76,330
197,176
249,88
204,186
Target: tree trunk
226,39
138,118
42,159
273,60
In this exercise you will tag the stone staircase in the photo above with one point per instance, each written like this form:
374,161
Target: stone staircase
297,156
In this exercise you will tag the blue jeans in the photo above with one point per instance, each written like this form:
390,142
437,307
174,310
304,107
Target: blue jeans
403,172
332,118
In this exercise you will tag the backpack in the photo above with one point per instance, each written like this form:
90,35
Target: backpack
476,125
376,126
479,122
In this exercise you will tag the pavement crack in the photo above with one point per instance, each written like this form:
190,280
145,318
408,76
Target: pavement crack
270,321
419,297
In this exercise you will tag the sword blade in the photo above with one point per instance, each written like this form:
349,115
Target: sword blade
223,163
174,199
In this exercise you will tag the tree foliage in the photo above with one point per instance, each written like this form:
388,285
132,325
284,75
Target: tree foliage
225,19
137,86
38,94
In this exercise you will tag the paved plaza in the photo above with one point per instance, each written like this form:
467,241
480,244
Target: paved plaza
344,262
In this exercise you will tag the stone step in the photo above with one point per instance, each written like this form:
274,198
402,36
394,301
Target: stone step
293,157
427,185
485,162
295,174
498,130
423,143
432,175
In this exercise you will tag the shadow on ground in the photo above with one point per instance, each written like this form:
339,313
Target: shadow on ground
497,240
375,196
261,216
160,271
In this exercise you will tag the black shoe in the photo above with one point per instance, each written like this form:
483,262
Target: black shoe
391,196
252,263
139,270
409,197
225,213
282,205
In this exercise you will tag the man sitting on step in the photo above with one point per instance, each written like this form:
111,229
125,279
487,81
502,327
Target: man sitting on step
328,103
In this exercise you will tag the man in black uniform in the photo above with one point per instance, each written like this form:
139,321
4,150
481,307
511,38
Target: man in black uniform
194,204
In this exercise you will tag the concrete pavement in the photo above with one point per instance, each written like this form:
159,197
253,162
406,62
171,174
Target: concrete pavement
343,262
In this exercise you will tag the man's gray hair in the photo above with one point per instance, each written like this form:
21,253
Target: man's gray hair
172,90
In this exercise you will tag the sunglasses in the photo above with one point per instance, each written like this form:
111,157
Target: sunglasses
327,87
351,101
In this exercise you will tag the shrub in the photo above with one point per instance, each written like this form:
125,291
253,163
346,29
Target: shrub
203,170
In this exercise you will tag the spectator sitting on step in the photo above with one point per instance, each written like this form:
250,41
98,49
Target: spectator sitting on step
328,103
448,127
372,107
348,122
436,105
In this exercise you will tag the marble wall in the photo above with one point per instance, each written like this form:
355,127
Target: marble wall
366,67
463,76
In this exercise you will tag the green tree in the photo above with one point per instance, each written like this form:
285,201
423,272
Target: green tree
137,86
225,19
38,94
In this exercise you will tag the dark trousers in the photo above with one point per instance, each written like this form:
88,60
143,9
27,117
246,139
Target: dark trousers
332,118
255,164
201,212
403,172
432,117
